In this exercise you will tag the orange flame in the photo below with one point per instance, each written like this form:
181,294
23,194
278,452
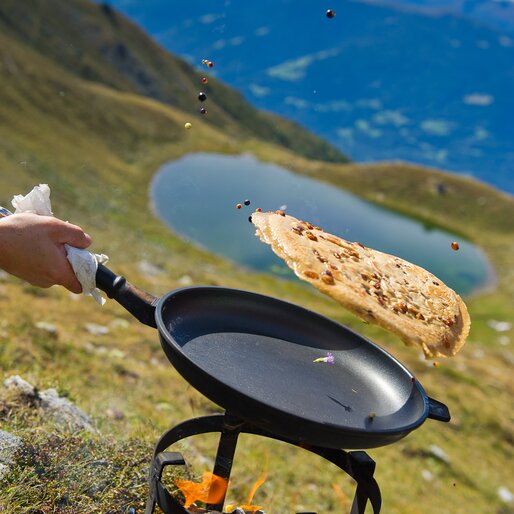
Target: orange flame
248,507
258,483
211,489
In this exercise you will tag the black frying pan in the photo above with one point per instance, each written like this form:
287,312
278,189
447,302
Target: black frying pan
253,355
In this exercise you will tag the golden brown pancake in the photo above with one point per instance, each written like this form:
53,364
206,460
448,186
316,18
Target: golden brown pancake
379,288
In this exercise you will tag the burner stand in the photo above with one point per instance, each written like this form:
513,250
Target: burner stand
357,464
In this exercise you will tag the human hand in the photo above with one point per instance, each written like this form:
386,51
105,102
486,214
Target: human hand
32,248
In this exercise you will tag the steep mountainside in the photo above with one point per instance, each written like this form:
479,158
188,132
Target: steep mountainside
99,44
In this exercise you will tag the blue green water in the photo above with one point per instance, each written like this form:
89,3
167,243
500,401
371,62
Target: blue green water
196,197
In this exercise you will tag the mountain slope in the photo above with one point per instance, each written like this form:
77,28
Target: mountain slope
98,148
99,44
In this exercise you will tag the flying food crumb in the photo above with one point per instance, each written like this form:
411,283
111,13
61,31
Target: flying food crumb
202,96
455,246
238,206
258,209
330,13
187,125
203,110
247,202
205,80
210,64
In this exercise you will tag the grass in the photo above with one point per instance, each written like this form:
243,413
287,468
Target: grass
98,148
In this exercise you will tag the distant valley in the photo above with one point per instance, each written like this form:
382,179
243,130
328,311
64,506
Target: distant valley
379,83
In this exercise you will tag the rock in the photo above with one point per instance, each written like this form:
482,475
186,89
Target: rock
96,330
441,188
45,326
439,453
499,326
64,412
119,323
9,445
505,495
427,475
185,280
149,269
116,353
22,386
114,413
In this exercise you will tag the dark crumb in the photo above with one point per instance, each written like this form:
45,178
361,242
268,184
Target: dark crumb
238,206
247,202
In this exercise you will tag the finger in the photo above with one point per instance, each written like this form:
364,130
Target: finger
74,236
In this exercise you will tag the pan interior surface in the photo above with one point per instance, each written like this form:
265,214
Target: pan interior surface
263,348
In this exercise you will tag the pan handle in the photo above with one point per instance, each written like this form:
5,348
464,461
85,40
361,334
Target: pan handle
438,411
138,302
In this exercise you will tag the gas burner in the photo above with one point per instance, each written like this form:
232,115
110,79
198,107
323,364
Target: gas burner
357,464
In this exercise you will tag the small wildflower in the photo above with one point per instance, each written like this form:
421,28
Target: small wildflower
329,359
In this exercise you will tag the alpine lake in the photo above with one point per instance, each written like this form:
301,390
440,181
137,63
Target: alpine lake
196,197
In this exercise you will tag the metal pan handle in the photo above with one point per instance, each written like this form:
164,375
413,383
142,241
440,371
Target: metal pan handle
138,302
438,411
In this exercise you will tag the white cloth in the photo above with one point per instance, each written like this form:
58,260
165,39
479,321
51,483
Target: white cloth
83,262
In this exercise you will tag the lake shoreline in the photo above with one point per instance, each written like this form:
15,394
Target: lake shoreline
195,185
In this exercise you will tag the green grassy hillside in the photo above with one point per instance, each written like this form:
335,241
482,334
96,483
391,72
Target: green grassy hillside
98,145
99,44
